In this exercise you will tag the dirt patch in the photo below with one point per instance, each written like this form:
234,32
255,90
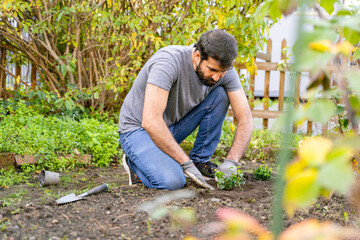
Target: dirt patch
30,212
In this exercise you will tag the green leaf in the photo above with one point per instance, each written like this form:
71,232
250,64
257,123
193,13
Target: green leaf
308,59
187,215
72,67
59,17
26,28
269,7
301,190
351,35
339,109
41,95
159,213
75,43
354,81
343,12
354,102
356,55
63,70
96,95
328,5
336,175
69,104
321,111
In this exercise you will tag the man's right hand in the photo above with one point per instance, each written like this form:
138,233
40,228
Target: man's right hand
228,167
192,172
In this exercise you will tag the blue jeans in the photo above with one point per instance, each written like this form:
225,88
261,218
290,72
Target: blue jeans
158,170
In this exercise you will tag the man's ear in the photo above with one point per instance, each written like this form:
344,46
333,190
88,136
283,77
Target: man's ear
197,56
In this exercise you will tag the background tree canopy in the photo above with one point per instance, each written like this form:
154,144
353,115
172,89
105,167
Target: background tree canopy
89,52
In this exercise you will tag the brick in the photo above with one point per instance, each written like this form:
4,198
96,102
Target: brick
86,159
7,160
29,159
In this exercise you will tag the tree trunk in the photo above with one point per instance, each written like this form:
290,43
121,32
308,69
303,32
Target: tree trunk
2,73
33,75
18,76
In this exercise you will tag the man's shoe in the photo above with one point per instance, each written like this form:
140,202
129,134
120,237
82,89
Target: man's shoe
133,178
207,169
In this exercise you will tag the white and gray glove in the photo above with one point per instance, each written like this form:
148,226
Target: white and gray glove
228,167
192,172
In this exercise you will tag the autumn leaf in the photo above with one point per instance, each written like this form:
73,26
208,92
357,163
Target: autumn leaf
344,48
301,191
314,150
323,46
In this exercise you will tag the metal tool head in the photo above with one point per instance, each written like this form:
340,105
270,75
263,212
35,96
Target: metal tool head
68,198
72,197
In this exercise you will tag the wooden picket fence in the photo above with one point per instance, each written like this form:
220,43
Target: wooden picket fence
269,66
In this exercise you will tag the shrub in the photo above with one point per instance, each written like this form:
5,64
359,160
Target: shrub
263,173
228,183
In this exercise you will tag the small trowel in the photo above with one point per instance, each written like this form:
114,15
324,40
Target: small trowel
72,197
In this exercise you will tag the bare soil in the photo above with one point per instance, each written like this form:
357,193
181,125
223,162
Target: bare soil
30,212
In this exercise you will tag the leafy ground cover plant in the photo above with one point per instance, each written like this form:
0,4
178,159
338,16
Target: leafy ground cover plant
27,132
11,177
264,138
228,183
263,172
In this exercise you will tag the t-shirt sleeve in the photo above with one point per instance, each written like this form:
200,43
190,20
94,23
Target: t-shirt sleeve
232,81
162,73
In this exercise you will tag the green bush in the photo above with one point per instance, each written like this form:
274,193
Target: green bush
263,173
113,40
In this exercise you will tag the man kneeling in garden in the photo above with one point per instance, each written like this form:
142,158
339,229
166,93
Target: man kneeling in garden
179,89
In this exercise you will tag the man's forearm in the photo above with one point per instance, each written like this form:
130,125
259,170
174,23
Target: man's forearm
241,139
162,137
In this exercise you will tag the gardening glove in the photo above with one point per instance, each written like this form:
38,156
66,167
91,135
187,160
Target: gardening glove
192,172
228,167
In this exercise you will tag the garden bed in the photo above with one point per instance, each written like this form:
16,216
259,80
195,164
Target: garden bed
29,212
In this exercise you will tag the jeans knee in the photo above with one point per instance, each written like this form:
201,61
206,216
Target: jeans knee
173,182
221,96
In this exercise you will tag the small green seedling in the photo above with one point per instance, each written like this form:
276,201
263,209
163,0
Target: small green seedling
228,183
263,173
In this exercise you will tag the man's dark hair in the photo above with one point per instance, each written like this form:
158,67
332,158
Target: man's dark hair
219,45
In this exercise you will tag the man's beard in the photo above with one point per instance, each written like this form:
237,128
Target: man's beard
206,81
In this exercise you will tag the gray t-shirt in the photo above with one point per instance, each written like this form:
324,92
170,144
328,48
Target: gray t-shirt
171,69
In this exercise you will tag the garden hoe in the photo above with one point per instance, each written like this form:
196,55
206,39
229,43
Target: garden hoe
72,197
